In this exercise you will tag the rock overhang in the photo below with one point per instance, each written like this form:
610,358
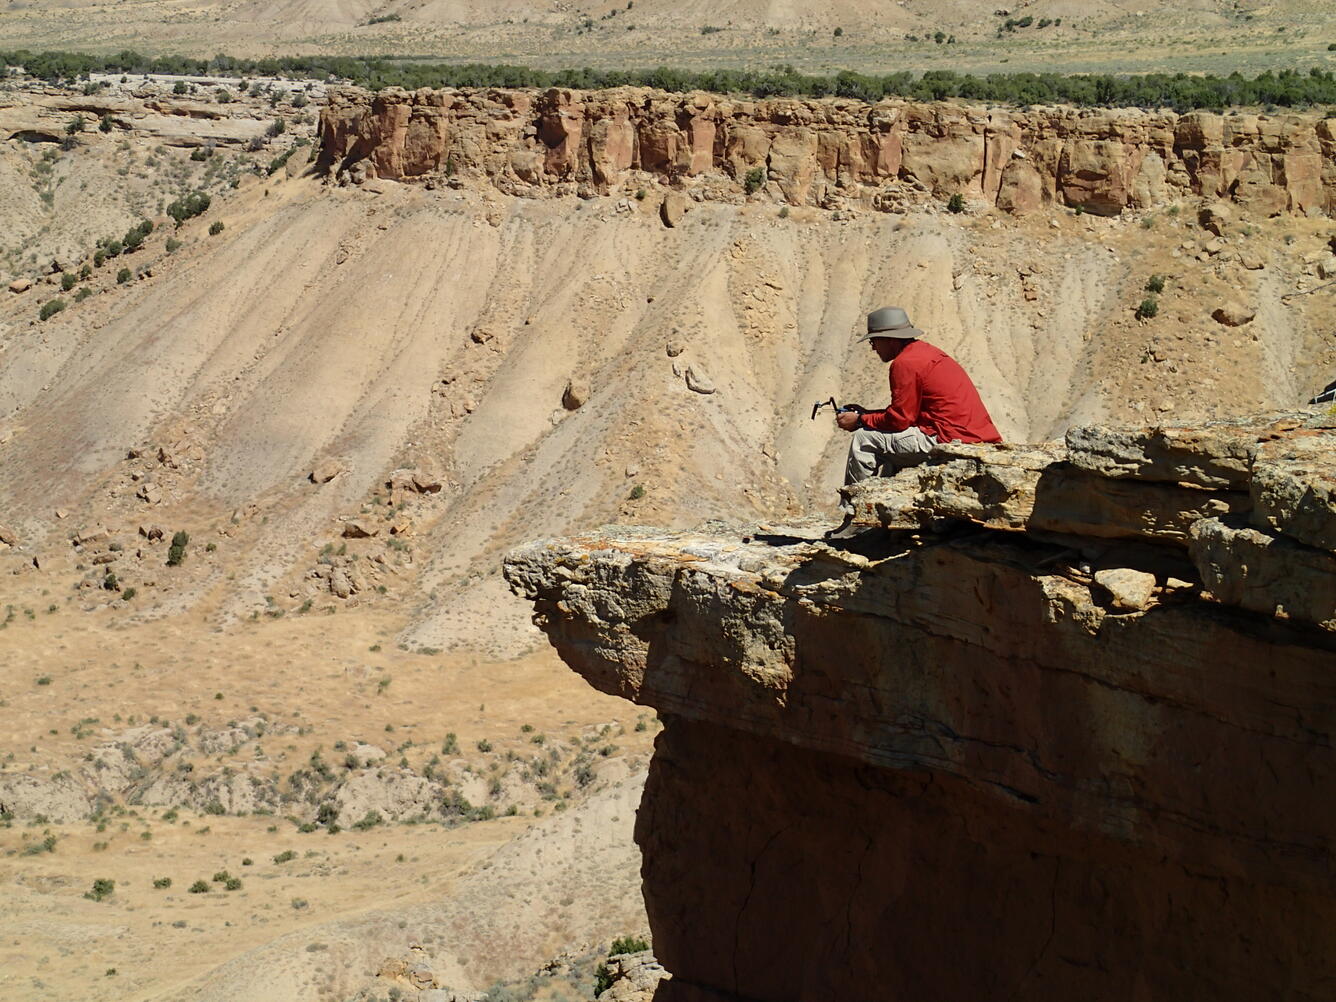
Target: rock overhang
981,632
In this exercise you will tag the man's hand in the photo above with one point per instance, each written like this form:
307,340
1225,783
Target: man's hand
848,420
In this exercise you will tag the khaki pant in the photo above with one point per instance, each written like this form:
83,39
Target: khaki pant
872,451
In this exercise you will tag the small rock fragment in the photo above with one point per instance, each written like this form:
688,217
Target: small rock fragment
20,285
359,529
698,381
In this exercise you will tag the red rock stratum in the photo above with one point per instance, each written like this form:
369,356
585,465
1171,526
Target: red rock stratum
821,152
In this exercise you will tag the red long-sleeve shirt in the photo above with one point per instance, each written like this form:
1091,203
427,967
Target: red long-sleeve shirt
930,390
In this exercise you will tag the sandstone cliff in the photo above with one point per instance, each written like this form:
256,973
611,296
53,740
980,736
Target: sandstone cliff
1062,729
809,152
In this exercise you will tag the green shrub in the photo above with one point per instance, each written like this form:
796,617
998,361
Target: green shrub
232,884
189,206
1148,308
215,227
627,944
179,87
956,203
176,553
67,281
484,745
285,856
199,887
1155,284
173,245
50,308
99,258
128,594
101,890
637,492
162,883
754,180
82,294
47,844
123,276
369,820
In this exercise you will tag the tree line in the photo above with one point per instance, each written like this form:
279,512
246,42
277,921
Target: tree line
1178,91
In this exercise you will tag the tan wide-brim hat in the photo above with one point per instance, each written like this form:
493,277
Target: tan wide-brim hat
890,321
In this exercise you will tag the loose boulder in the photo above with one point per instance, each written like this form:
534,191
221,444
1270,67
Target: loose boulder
672,209
1233,314
325,471
575,395
1129,589
1217,217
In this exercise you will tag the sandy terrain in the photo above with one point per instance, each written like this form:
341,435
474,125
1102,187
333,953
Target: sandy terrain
368,894
883,36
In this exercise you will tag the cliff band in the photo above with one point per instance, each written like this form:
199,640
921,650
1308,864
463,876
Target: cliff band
1060,728
834,151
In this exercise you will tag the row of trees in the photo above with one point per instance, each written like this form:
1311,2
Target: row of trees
1287,89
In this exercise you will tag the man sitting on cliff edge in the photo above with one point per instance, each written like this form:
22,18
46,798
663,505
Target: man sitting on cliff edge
932,401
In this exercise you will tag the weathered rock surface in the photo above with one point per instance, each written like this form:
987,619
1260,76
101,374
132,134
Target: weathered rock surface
976,757
526,142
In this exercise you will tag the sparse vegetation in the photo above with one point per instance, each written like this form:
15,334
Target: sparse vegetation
50,308
754,180
1148,308
215,227
123,276
199,887
1285,88
956,203
1155,284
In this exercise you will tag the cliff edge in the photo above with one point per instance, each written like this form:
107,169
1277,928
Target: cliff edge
1059,727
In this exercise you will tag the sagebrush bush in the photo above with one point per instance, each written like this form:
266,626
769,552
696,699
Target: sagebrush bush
176,553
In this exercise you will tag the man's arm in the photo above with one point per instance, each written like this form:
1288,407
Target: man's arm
906,394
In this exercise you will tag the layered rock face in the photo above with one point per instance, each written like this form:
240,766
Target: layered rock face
1059,728
826,152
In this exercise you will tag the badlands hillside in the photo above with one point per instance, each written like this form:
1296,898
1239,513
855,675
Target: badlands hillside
254,495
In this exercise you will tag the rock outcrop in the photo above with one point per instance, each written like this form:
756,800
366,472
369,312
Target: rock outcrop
1060,727
827,152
